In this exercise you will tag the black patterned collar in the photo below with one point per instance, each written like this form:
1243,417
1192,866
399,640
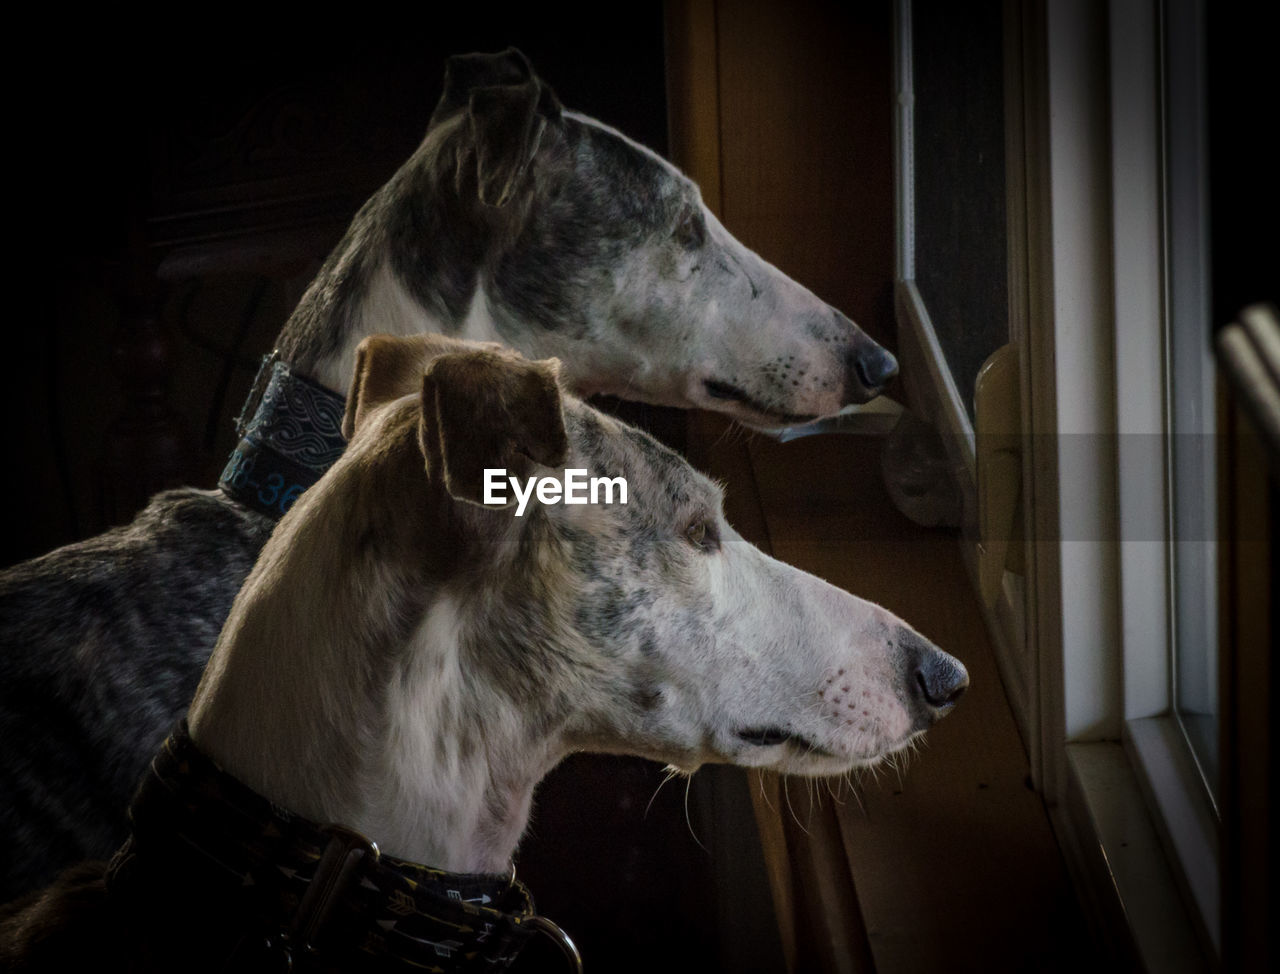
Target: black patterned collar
248,885
290,434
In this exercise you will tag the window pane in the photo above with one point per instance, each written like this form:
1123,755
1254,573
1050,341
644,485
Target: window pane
1195,602
959,178
1191,406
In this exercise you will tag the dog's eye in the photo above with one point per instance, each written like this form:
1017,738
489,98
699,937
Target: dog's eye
702,534
692,229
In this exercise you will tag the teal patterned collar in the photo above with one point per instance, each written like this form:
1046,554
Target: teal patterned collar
292,435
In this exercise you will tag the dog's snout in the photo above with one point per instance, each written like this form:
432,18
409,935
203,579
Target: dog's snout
937,680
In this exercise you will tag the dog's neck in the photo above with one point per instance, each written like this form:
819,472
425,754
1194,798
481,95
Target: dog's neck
340,688
456,777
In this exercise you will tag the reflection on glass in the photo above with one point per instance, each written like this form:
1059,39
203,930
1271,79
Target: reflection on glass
1193,523
1195,603
1194,557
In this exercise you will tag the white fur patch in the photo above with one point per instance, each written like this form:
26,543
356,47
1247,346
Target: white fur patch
387,309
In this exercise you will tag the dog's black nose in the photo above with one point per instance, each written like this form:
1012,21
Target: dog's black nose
936,680
867,368
875,366
941,686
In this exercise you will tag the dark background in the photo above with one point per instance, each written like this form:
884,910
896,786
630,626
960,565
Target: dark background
1242,43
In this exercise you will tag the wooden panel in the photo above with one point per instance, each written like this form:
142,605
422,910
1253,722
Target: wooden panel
693,94
806,144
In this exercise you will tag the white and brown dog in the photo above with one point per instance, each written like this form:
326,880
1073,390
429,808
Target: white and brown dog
409,661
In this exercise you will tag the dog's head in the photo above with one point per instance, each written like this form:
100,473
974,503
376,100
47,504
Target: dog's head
648,626
604,255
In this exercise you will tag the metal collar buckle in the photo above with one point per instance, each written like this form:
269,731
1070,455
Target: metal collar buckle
561,939
347,852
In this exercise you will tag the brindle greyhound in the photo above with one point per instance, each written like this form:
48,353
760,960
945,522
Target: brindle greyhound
408,662
515,221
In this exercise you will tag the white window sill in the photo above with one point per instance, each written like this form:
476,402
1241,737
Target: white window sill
1162,928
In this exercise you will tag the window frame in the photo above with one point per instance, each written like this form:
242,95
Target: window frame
1140,802
1090,303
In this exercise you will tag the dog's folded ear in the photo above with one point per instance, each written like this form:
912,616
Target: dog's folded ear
508,109
489,409
387,368
506,129
464,73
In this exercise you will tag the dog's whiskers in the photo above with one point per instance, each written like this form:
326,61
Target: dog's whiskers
833,789
668,773
786,792
893,761
855,789
688,821
764,794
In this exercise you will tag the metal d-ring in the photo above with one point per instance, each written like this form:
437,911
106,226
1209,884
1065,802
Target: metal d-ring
562,940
